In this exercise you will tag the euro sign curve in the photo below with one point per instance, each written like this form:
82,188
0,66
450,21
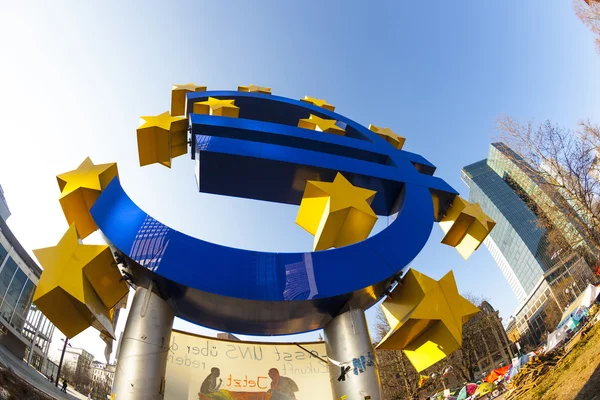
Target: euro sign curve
264,155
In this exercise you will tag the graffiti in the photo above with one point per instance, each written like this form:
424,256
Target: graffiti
360,364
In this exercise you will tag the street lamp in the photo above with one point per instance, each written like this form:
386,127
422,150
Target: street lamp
572,290
62,356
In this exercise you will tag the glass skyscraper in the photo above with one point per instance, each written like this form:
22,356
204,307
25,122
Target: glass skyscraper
518,244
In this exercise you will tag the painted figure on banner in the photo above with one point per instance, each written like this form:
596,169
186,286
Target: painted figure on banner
282,387
211,387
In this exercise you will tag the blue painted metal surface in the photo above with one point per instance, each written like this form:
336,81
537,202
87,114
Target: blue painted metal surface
264,155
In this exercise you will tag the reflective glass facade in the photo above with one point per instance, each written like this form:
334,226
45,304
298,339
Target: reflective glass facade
542,198
519,244
509,194
19,320
17,284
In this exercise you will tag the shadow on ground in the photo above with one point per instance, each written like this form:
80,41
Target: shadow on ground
23,375
591,389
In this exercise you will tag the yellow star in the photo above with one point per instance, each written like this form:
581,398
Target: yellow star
178,96
213,106
386,133
254,88
318,102
337,213
161,138
426,318
321,124
80,188
79,285
466,226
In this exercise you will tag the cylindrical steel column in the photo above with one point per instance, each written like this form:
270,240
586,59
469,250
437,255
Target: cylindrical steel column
140,372
352,366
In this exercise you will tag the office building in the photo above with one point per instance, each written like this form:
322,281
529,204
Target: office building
507,191
19,276
511,330
4,211
103,375
21,324
38,330
490,342
79,360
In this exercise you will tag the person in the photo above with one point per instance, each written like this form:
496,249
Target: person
282,387
51,378
210,387
64,388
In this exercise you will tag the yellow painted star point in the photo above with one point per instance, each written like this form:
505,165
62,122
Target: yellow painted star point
79,190
161,138
426,318
337,213
164,121
316,123
465,226
189,87
79,285
254,88
218,107
392,138
178,96
318,102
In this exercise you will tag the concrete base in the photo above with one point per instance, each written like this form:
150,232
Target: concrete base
13,343
349,348
140,371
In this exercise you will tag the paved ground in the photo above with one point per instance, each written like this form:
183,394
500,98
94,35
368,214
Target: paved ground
29,374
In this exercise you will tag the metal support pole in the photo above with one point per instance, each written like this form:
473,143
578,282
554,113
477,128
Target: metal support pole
352,366
62,356
142,363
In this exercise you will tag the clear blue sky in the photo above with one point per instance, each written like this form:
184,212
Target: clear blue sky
76,77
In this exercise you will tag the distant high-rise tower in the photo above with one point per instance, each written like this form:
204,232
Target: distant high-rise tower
4,211
501,184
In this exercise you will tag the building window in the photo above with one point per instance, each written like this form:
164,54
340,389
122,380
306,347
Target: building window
3,253
25,298
6,275
12,294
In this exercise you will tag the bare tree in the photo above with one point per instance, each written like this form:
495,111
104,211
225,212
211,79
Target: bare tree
382,327
465,362
68,372
399,378
78,378
562,174
552,316
101,389
482,338
588,11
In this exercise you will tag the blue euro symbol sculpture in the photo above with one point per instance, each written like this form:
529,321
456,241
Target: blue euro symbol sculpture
264,155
